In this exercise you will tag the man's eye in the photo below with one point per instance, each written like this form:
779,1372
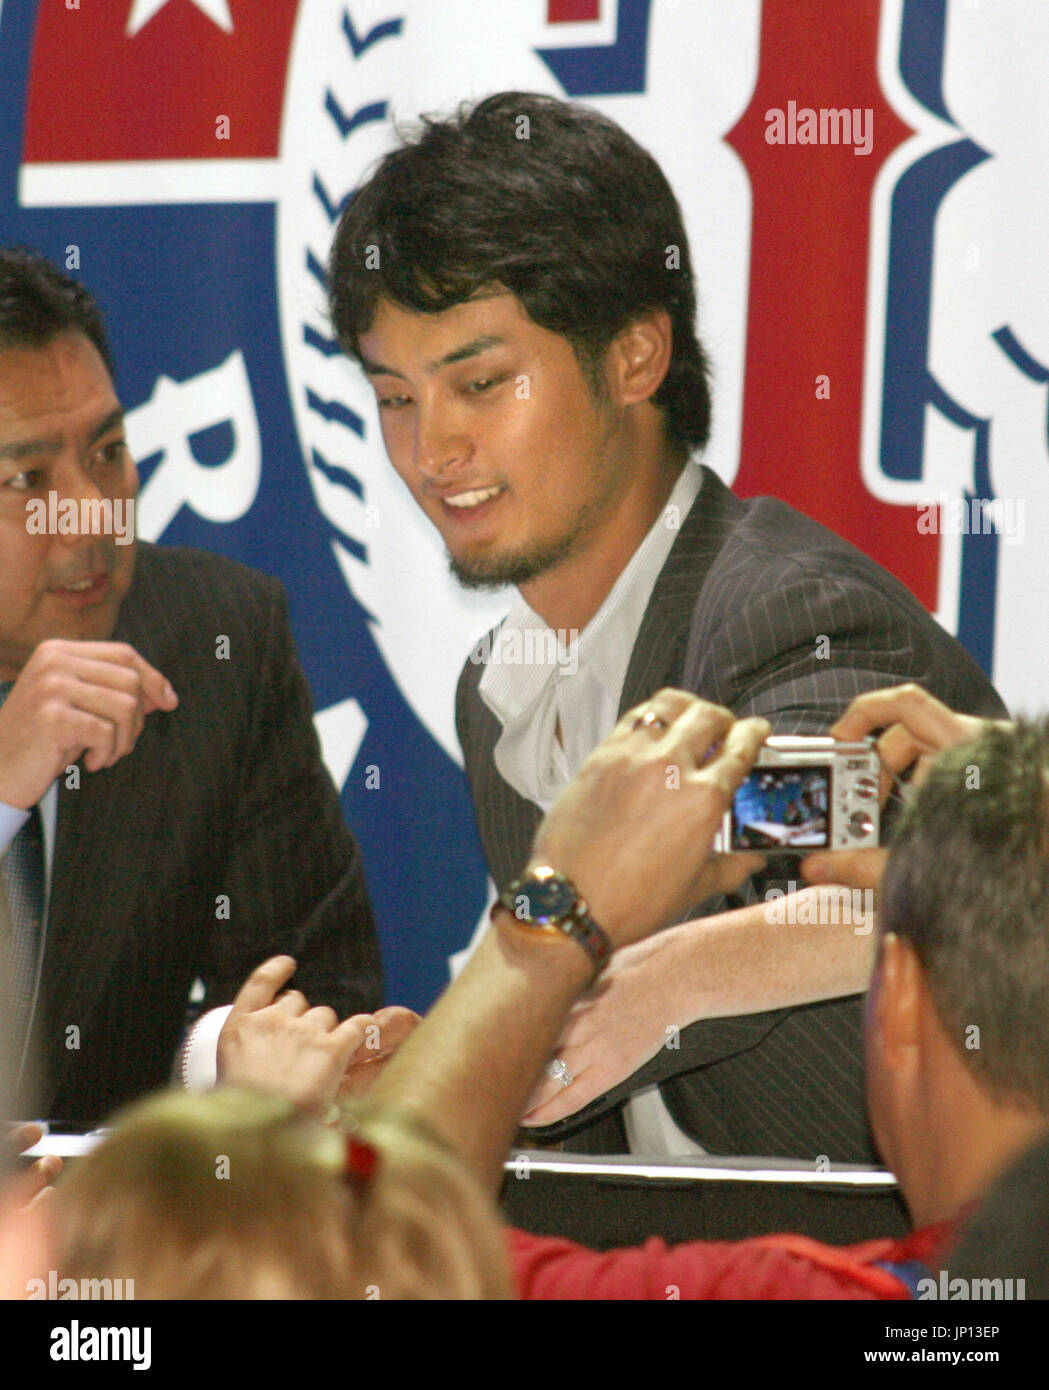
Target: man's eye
114,453
393,402
485,383
26,481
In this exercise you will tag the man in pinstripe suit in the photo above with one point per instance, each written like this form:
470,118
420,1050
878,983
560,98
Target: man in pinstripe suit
157,752
529,327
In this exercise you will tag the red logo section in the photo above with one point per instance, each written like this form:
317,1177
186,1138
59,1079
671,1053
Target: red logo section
572,11
807,305
96,93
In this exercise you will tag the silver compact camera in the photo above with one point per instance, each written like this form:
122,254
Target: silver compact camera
805,794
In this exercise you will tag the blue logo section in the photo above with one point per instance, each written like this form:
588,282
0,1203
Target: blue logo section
909,384
606,69
182,288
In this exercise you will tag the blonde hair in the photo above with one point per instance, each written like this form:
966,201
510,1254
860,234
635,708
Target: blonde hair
231,1194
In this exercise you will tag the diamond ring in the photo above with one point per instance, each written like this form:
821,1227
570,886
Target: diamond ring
558,1069
650,720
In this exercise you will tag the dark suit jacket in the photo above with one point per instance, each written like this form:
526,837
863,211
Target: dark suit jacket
735,617
226,796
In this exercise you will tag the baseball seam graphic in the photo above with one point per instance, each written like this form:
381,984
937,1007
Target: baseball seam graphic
346,78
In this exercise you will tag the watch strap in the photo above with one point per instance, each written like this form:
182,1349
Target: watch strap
575,921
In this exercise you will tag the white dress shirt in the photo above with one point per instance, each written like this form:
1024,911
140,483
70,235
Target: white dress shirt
529,683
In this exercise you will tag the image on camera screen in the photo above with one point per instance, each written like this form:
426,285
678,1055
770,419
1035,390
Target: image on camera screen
782,808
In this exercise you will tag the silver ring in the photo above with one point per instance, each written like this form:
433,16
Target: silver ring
650,720
558,1069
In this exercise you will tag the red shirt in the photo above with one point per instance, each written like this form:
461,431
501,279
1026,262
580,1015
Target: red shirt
785,1266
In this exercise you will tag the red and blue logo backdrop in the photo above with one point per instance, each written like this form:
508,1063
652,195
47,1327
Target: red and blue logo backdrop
865,186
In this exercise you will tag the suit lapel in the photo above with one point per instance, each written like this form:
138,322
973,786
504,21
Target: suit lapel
658,653
506,821
98,875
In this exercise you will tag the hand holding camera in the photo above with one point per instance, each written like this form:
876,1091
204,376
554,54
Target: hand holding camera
915,727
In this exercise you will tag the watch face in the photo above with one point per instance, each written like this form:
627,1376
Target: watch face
545,899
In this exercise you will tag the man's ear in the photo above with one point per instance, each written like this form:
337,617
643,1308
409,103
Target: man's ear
639,358
898,1005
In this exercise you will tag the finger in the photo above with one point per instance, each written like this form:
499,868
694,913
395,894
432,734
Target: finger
737,755
93,737
668,704
39,1178
580,1022
293,1002
577,1057
323,1018
898,750
379,1039
115,707
723,873
585,1087
23,1137
48,1167
44,1197
395,1024
157,690
348,1038
263,984
43,1173
925,716
546,1090
697,730
359,1077
852,868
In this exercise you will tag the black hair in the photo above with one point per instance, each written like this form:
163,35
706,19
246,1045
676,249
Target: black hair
967,884
38,303
550,200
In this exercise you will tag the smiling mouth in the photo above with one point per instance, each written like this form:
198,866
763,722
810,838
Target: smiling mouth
472,499
84,593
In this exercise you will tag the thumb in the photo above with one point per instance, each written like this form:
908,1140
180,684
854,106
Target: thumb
853,868
723,873
264,984
157,690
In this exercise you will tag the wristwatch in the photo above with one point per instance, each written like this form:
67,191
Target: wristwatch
545,901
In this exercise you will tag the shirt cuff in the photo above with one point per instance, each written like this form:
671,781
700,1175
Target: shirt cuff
12,818
198,1060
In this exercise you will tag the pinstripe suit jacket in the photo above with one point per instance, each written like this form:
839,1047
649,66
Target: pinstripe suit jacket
225,796
734,616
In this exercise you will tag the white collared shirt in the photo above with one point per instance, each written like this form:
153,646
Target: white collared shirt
530,681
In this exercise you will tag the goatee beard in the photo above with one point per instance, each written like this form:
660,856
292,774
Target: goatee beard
490,575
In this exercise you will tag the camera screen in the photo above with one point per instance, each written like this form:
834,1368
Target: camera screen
782,808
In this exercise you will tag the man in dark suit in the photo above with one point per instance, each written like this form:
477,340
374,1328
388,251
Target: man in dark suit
516,284
164,811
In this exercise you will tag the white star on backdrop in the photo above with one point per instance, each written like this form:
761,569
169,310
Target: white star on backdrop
142,11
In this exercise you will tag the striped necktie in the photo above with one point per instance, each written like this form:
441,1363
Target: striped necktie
22,880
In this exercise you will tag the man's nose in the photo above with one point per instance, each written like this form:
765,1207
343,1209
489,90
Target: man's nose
77,485
441,443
